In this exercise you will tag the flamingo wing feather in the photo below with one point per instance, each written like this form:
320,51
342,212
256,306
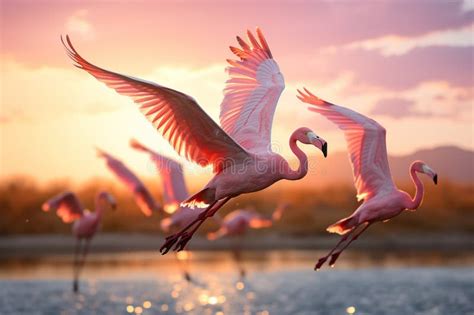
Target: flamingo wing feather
67,206
251,94
142,196
366,143
175,115
171,173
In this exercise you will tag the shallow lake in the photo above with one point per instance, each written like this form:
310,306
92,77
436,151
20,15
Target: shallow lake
276,282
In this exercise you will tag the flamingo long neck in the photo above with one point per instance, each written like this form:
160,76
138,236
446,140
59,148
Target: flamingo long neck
99,205
416,201
302,158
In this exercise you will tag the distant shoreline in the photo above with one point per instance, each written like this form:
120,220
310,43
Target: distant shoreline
42,245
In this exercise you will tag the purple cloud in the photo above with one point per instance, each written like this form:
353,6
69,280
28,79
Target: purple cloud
395,108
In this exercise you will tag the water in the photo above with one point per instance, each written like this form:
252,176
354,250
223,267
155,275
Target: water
279,282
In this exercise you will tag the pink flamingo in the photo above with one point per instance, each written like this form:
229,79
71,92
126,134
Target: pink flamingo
238,222
174,192
86,223
368,154
240,152
142,196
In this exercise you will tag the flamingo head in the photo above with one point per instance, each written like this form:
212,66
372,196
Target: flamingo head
107,197
422,167
307,136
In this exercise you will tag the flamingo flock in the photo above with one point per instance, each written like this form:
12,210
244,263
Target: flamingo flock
239,151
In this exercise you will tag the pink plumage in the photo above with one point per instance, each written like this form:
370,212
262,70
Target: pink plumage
251,94
142,196
368,154
67,206
174,189
239,221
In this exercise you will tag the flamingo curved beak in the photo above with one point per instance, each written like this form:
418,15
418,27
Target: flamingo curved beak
322,145
325,149
435,179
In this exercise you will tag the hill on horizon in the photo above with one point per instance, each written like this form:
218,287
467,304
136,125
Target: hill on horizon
450,162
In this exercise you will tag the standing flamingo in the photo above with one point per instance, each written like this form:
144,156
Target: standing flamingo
85,226
368,154
142,196
240,152
238,222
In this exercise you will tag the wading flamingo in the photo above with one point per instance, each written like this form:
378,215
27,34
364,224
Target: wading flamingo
368,154
85,226
240,152
238,222
142,196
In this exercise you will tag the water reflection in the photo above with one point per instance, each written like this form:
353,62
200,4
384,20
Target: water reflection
151,264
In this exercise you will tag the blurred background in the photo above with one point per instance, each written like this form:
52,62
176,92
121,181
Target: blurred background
407,64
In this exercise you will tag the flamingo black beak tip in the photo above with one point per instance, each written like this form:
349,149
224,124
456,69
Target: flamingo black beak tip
435,179
325,149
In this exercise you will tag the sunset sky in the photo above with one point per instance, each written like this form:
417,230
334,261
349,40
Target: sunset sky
407,64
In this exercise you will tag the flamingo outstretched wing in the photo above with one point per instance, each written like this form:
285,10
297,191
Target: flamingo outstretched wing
142,196
67,206
366,144
171,173
177,116
251,94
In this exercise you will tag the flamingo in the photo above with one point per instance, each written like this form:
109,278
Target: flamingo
142,196
85,223
373,181
238,222
174,192
239,151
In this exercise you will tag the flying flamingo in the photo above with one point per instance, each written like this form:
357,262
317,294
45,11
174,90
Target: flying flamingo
368,154
240,152
174,192
238,222
85,226
142,196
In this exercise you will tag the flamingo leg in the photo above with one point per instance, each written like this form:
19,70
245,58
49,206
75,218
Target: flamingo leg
75,283
238,258
82,260
184,236
322,260
335,256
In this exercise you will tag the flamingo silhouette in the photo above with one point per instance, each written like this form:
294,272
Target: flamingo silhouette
368,154
85,226
142,196
240,152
